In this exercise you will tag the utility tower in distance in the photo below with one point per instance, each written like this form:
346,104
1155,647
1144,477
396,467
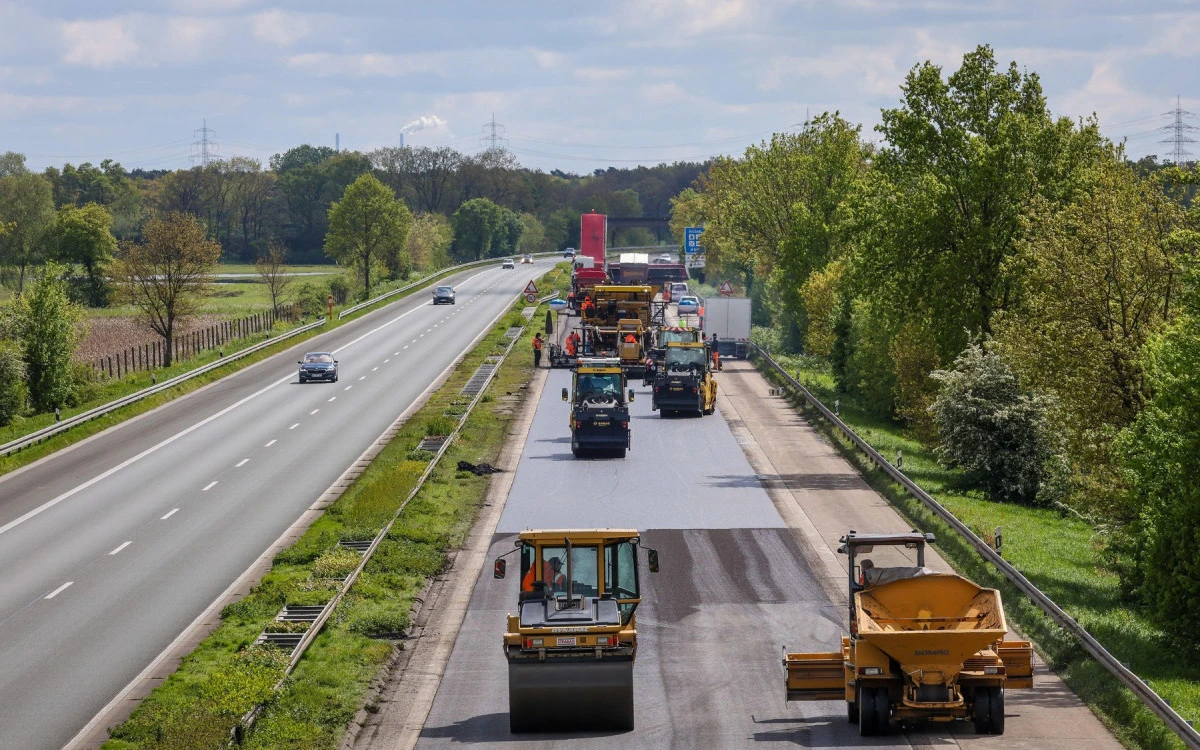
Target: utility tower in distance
1179,133
204,148
493,138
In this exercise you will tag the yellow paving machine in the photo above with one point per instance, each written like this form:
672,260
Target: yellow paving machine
599,407
571,646
684,380
923,646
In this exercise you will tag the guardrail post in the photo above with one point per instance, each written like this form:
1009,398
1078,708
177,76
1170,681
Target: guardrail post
999,543
57,414
900,459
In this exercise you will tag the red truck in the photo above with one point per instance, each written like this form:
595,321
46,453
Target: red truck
589,262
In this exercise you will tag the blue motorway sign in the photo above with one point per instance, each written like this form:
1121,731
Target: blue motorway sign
691,240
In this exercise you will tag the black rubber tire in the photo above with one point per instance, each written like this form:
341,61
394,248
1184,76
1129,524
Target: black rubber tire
982,711
868,724
852,712
997,726
883,713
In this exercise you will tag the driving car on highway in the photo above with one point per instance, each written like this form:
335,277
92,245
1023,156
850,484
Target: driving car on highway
508,263
569,252
318,366
689,303
674,290
442,294
526,258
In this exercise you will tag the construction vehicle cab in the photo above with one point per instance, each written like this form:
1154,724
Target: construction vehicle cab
599,407
685,381
923,646
571,646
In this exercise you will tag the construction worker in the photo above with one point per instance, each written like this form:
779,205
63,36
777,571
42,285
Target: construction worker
569,344
630,338
700,314
551,576
588,307
576,341
537,349
716,354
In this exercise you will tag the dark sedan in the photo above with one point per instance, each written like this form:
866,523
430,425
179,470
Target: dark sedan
318,366
443,294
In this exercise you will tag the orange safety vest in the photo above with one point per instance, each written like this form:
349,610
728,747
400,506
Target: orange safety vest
551,580
537,344
630,339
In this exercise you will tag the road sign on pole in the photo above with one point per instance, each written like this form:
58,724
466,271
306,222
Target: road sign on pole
726,289
530,298
691,240
531,288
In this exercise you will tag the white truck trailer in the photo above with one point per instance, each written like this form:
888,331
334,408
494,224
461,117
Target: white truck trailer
729,318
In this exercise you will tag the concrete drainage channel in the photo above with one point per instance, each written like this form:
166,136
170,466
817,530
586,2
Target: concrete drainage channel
296,643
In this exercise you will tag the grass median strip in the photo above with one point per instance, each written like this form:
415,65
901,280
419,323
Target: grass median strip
227,674
1058,552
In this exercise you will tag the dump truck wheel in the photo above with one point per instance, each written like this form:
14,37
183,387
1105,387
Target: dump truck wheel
982,712
852,712
997,724
868,718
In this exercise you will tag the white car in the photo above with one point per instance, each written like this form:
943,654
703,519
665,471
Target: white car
689,303
508,263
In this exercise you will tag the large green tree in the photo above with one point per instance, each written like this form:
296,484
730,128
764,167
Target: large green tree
27,204
477,226
168,272
369,226
84,236
941,212
47,326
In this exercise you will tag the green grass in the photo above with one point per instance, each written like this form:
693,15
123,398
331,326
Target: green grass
221,679
1059,553
329,268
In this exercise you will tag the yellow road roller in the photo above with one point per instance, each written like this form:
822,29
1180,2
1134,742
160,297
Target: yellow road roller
571,647
923,646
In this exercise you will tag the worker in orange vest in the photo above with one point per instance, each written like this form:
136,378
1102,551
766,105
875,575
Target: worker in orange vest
716,355
630,338
700,314
570,344
537,349
588,307
551,575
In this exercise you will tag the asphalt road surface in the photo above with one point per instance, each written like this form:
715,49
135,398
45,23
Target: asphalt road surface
113,547
735,586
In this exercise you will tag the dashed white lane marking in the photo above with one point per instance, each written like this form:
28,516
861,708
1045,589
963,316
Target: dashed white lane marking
314,411
170,513
413,341
347,388
209,486
421,336
373,369
294,426
59,590
397,354
333,398
386,361
242,463
364,377
122,546
405,347
428,330
268,445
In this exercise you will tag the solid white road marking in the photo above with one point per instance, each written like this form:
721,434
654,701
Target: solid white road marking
209,486
242,463
314,411
59,590
294,426
118,549
268,445
172,512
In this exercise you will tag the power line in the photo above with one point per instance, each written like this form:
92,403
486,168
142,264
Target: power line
493,140
1179,132
204,148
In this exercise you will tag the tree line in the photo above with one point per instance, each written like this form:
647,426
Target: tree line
1005,283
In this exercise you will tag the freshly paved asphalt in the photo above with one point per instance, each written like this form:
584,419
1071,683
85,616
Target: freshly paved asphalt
736,585
156,517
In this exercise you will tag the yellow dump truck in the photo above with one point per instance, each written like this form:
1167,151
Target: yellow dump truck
571,646
923,646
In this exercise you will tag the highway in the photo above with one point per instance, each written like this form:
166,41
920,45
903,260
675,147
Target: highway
741,577
111,548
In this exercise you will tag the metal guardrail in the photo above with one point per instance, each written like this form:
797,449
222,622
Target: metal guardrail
310,635
1152,700
430,278
50,431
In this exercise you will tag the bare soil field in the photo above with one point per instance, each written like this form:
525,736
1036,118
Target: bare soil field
110,335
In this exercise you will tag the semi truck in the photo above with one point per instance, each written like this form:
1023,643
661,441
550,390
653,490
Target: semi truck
593,237
729,319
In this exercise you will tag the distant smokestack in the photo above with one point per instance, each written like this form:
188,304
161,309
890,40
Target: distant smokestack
401,140
337,142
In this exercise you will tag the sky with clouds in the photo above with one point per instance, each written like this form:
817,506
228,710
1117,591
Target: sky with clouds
575,86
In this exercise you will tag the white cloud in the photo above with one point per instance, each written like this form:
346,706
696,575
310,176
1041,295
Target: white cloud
602,75
361,64
548,60
695,17
279,27
1106,94
99,44
185,39
664,93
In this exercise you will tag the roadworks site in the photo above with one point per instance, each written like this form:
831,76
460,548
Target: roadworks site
203,703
